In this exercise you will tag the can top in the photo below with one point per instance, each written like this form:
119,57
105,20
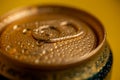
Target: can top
49,35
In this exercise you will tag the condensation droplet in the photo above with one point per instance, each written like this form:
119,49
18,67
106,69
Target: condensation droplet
60,45
70,50
32,46
51,56
15,27
44,51
63,55
24,31
89,41
62,50
21,46
56,47
54,44
28,44
82,43
84,47
16,56
19,43
37,61
76,47
12,51
23,51
89,45
42,31
58,54
46,57
8,47
66,47
88,38
66,42
64,23
57,50
51,49
71,55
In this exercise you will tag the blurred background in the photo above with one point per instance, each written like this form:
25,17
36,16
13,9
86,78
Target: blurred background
107,11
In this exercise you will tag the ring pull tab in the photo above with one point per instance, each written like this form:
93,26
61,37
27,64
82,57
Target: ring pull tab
53,33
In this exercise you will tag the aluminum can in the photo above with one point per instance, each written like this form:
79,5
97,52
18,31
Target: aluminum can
51,42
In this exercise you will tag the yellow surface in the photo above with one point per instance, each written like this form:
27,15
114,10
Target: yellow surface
107,11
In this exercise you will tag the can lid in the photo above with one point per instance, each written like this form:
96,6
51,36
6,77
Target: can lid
49,35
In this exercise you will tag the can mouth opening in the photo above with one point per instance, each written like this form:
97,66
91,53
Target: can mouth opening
17,16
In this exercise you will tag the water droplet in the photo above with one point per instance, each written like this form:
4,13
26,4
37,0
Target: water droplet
33,46
46,57
70,50
82,43
51,49
8,47
19,43
60,45
68,46
21,46
62,49
64,23
58,54
28,44
15,27
66,42
84,47
89,45
71,55
16,56
63,55
44,51
57,50
56,47
24,31
76,47
80,50
42,31
52,53
37,61
88,38
12,51
23,51
54,44
51,56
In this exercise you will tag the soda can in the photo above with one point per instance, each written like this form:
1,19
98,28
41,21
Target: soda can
51,42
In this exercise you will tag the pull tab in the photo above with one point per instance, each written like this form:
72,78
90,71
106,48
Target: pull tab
57,31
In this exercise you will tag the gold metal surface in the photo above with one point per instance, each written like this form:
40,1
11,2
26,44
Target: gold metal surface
46,37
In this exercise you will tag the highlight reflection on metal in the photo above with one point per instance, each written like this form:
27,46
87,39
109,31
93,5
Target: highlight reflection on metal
49,43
